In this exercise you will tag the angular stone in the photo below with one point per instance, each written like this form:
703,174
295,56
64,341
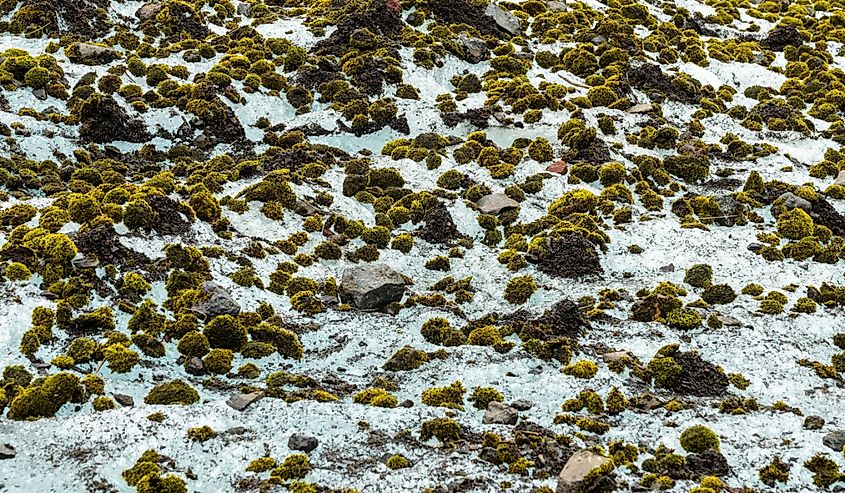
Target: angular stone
640,108
371,286
835,440
500,414
240,402
496,203
792,201
124,400
148,11
614,356
522,404
503,18
302,442
215,300
475,50
556,6
577,470
840,178
90,54
195,367
7,452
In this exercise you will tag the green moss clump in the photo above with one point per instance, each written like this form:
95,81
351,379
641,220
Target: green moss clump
825,471
286,341
489,335
481,396
699,438
795,224
690,168
218,361
103,403
582,369
451,396
405,359
439,331
664,371
201,434
776,471
580,200
540,150
616,402
295,466
119,358
261,464
173,392
444,429
398,461
44,398
193,344
403,242
719,294
376,397
17,271
520,289
699,276
225,332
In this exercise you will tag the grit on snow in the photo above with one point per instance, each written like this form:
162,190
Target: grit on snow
81,450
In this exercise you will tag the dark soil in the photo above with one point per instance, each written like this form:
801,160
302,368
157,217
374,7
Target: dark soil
698,377
461,12
781,37
102,243
439,226
103,120
569,255
650,79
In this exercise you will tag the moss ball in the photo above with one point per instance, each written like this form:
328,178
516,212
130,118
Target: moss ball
699,438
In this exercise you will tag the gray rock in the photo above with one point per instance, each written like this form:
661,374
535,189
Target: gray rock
240,402
302,442
640,108
90,54
614,356
522,404
840,178
731,210
835,440
729,321
813,423
244,9
500,414
576,470
371,286
7,452
195,367
503,18
668,268
556,6
496,203
148,11
124,400
40,94
792,201
215,301
475,49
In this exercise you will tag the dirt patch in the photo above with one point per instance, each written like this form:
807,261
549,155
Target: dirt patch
825,214
102,120
650,79
439,226
569,255
698,377
781,37
460,12
102,242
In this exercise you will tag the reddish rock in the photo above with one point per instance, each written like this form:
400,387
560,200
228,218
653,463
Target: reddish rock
558,167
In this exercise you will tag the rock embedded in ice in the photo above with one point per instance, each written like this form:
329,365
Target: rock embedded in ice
302,442
215,300
579,469
7,452
500,414
496,203
503,18
371,286
148,11
835,440
240,402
